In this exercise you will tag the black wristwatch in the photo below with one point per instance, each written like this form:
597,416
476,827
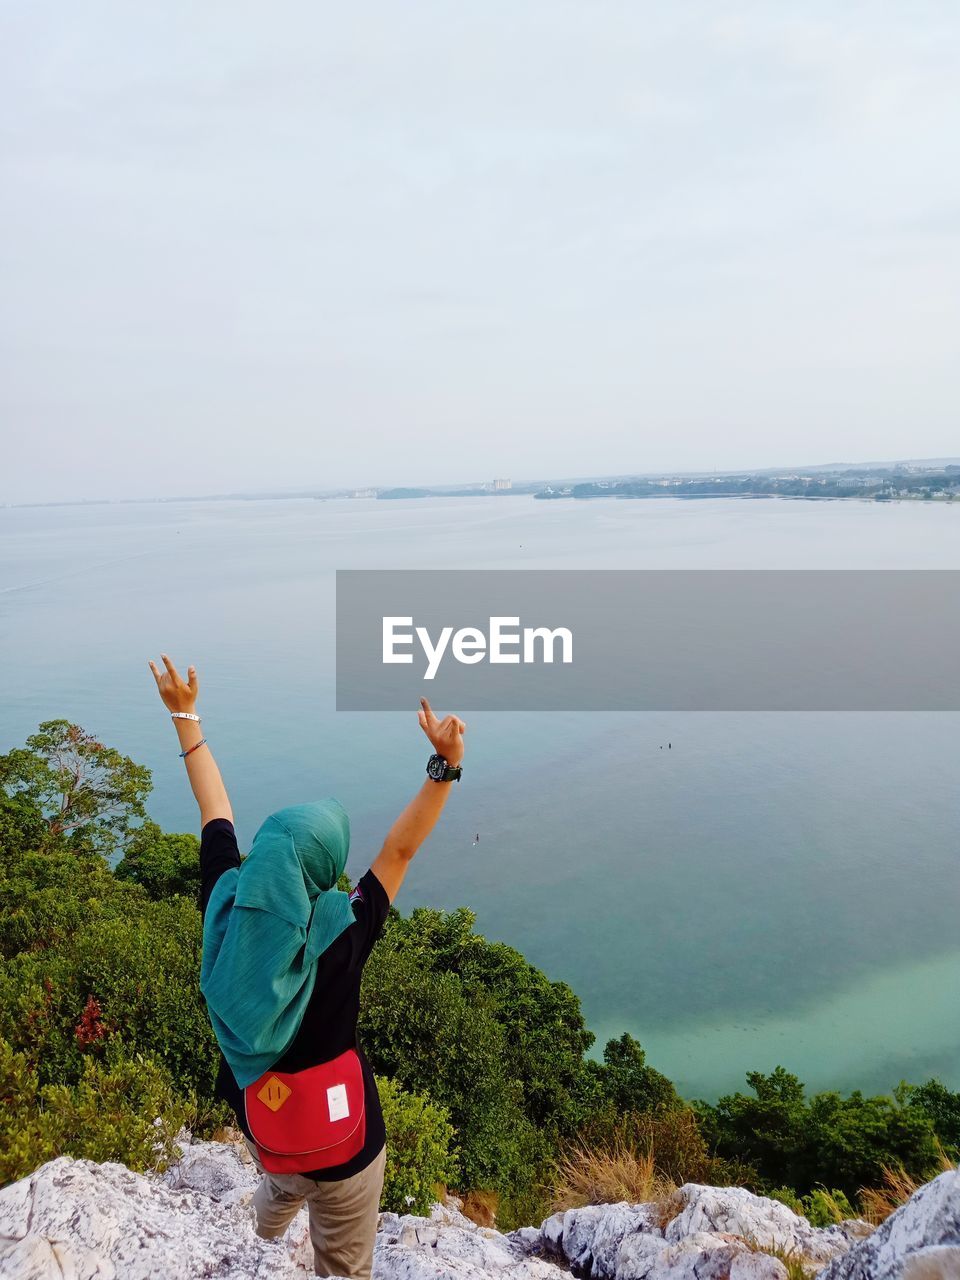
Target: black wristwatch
439,771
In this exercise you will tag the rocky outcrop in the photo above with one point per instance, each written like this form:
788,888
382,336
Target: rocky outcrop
700,1233
75,1220
921,1241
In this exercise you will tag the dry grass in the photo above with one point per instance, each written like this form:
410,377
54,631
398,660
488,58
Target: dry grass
877,1203
607,1175
667,1208
481,1207
228,1133
799,1267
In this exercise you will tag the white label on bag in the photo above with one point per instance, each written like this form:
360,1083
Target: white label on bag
337,1103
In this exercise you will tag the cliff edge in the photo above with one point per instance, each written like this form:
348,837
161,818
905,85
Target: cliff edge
77,1220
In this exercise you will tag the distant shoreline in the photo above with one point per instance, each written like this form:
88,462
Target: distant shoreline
921,480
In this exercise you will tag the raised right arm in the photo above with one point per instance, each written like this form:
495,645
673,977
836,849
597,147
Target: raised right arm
181,696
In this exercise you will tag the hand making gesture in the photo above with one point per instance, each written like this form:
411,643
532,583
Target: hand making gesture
445,735
177,695
180,698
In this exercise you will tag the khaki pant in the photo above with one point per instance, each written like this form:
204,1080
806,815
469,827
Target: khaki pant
343,1215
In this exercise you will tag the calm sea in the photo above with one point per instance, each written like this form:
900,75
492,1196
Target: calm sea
771,889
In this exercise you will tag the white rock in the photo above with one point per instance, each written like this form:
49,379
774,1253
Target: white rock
912,1238
76,1220
216,1170
938,1262
105,1221
715,1232
639,1254
767,1223
529,1239
551,1233
34,1258
757,1266
449,1246
703,1256
592,1236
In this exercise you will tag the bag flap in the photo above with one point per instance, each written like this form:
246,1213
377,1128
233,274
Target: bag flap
299,1112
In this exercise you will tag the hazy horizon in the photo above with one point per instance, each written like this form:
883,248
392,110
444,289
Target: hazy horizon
389,245
293,491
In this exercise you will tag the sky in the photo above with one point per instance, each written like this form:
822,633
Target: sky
249,246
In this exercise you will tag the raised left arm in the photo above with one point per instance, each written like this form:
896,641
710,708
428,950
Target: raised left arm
420,816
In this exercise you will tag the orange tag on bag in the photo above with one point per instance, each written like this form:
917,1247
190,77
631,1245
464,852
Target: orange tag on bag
274,1093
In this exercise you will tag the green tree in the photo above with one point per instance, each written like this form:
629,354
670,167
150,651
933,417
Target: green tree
87,793
853,1139
423,1030
164,864
940,1106
541,1021
625,1083
828,1140
21,823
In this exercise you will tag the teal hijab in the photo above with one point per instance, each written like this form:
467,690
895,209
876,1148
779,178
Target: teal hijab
266,923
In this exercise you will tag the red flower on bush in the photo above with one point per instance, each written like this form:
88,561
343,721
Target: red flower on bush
91,1027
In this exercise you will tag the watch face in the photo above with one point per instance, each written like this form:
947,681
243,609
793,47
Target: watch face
436,766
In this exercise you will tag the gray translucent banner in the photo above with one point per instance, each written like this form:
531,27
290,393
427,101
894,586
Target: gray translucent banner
647,640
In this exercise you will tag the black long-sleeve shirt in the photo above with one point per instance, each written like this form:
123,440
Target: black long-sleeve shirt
329,1024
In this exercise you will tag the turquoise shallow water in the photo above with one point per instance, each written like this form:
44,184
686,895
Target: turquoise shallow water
775,888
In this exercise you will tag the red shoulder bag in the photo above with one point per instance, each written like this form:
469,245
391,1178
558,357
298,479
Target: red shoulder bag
304,1120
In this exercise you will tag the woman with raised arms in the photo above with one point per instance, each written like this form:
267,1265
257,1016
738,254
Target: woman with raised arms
283,953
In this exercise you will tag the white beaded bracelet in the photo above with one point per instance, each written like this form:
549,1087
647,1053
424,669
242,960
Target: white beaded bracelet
184,715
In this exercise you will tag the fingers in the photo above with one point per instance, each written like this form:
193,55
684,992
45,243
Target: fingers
174,674
432,721
156,672
192,682
449,726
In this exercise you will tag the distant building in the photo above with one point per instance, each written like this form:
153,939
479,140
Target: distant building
364,493
499,486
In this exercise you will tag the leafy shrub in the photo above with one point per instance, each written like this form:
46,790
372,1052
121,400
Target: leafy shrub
420,1157
165,865
71,932
824,1208
787,1196
821,1208
121,1109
